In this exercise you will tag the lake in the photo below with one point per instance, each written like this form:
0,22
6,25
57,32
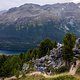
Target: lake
11,52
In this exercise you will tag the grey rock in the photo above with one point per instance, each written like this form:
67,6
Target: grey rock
25,67
55,59
76,49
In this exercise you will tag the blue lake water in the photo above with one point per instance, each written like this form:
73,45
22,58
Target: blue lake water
11,52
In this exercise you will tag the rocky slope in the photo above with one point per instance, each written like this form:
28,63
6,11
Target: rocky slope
3,11
25,26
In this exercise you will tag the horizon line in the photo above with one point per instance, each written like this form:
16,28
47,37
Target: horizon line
40,4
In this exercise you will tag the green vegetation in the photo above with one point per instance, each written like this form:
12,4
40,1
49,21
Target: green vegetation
12,65
69,42
61,70
66,77
45,46
9,65
78,71
44,49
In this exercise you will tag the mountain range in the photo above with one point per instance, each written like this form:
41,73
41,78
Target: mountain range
25,26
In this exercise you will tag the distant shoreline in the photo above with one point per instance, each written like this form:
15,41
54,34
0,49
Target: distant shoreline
11,52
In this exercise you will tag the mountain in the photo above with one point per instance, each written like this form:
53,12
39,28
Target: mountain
3,11
25,26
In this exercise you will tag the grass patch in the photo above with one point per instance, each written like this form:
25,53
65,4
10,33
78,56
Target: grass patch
66,77
33,78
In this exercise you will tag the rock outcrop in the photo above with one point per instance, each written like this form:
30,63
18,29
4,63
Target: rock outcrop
54,60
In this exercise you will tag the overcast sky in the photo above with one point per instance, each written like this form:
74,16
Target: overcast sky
6,4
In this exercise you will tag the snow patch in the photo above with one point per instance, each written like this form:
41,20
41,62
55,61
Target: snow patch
66,28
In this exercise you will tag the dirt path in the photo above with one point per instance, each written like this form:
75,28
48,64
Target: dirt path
13,78
47,76
39,73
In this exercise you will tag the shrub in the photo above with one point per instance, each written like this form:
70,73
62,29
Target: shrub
61,69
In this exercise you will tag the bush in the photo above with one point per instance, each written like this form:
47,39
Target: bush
61,69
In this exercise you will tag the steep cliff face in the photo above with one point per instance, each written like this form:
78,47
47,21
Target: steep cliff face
25,26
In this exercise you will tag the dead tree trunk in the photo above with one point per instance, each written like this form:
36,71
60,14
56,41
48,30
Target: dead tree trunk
74,68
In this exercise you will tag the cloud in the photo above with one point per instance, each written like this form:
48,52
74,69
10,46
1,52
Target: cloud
6,4
76,1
